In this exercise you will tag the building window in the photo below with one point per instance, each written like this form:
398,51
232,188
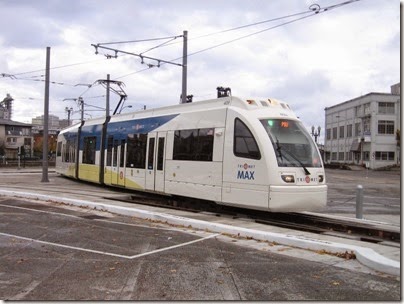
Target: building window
349,131
196,144
365,156
341,155
341,131
366,125
334,155
386,107
334,133
358,111
382,155
357,129
367,108
328,133
385,127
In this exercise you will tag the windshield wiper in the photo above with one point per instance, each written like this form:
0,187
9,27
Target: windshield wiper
307,172
278,148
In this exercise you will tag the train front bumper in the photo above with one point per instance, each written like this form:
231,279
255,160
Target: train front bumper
297,198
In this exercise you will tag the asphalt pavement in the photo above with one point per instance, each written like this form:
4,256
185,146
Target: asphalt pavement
63,240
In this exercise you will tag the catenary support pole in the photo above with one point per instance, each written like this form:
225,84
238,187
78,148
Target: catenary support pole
107,97
184,68
46,121
359,202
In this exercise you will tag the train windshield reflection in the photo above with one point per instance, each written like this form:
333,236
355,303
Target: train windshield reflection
292,143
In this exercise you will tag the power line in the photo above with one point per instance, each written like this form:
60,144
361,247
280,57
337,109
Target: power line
59,67
315,9
141,40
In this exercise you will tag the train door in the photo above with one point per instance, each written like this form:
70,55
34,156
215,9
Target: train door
108,161
155,163
118,163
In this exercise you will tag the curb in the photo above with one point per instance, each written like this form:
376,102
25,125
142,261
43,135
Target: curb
365,256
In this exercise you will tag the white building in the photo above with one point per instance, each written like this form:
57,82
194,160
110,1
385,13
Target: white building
363,130
53,121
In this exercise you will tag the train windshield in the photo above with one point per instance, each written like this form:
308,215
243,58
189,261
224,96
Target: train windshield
292,143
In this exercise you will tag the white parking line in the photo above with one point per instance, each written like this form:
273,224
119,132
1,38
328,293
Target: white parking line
96,251
97,220
63,246
109,253
41,211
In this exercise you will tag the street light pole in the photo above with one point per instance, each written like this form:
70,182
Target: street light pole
315,133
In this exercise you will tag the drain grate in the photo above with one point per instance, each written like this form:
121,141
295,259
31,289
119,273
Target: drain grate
93,217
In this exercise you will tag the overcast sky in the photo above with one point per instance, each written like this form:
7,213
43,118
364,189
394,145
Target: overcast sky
313,63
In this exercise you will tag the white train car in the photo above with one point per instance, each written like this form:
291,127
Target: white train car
251,153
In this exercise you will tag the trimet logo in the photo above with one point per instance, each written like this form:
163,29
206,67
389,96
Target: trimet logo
306,179
245,172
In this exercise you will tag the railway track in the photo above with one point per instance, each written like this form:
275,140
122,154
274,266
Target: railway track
363,231
345,228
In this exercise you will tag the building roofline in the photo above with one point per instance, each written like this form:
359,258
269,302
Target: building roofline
8,122
360,97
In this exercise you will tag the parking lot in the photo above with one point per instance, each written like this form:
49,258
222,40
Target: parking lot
381,189
54,252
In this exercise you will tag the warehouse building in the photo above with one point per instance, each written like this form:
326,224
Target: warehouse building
364,130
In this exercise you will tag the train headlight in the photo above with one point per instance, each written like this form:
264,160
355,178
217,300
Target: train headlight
321,178
287,178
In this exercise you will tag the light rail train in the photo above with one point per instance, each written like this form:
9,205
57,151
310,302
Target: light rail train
249,153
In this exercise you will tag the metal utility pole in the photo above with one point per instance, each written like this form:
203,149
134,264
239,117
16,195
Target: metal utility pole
107,97
69,112
81,104
46,121
184,68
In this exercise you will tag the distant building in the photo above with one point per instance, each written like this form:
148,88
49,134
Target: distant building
364,130
6,107
13,136
64,123
53,121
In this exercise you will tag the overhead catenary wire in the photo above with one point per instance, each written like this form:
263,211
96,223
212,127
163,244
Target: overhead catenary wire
313,10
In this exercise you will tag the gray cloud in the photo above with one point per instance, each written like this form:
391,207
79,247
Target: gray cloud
310,64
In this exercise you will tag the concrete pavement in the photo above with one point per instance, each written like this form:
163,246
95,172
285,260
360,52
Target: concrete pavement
21,183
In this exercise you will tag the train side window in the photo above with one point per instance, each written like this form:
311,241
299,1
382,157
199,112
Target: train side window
89,150
136,151
110,144
121,159
160,154
196,144
59,149
150,161
115,155
244,144
74,147
66,152
63,152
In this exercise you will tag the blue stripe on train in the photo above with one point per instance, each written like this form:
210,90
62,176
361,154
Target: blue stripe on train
121,129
